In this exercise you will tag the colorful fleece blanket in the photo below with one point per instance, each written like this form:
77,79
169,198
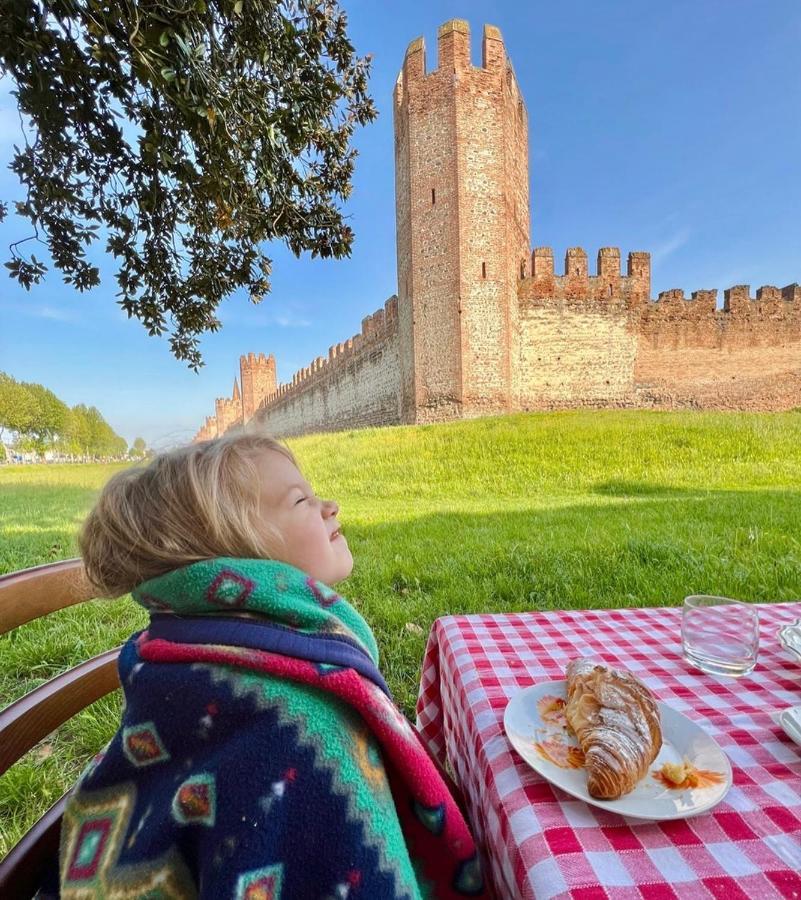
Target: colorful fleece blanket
260,756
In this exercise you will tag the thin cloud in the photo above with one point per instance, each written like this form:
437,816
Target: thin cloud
53,313
668,247
58,315
289,321
264,319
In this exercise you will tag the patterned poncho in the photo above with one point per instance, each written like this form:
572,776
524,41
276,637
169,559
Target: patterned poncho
260,757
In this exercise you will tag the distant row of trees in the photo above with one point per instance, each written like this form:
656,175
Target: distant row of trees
34,420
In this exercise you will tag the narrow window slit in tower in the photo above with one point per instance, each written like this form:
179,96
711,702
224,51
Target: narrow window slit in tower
483,270
433,197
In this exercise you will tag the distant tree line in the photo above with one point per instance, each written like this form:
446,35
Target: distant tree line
34,421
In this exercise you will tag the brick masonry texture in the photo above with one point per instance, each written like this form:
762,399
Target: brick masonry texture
482,324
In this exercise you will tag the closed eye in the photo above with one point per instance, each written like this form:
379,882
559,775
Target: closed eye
300,501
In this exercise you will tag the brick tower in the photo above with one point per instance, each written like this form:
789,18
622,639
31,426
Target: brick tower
462,211
257,374
228,411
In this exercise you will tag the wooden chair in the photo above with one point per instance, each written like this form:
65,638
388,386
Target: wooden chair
25,596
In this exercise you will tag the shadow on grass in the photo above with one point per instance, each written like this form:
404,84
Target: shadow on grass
619,488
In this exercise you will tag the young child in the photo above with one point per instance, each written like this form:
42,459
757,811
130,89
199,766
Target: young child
259,754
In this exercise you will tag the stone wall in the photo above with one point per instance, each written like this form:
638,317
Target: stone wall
578,342
358,385
577,284
228,411
746,355
600,341
573,353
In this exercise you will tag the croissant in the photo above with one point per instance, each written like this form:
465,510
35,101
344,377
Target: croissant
616,721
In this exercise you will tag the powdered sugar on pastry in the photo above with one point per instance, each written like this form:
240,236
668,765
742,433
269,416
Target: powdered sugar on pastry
616,721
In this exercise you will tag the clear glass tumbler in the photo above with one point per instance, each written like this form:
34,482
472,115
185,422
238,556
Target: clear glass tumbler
720,636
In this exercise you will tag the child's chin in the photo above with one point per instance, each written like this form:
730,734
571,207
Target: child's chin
346,570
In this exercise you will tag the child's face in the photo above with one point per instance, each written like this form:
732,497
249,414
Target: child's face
307,524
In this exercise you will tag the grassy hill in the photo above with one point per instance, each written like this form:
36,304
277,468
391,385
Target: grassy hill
530,511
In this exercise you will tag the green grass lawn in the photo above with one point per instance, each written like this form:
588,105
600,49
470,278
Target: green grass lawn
531,511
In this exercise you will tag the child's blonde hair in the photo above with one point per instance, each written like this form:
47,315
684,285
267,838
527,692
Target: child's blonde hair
196,502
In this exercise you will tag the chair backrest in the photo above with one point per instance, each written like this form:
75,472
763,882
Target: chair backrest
24,596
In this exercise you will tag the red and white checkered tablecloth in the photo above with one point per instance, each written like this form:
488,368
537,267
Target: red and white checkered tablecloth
543,843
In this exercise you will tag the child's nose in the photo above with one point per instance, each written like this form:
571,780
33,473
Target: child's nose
331,507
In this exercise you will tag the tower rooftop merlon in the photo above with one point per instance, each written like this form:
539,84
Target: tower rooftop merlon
453,54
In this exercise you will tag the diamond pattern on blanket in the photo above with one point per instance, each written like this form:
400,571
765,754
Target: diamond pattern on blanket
89,847
323,594
142,745
195,801
261,884
468,879
432,817
229,589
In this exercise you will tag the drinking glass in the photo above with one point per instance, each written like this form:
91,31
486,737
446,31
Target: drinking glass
720,636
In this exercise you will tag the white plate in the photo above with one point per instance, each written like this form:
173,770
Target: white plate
649,799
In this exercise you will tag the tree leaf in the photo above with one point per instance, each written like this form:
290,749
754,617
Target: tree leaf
221,166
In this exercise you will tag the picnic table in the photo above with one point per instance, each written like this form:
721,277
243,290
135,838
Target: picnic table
541,842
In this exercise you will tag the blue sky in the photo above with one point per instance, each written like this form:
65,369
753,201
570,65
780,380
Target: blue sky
668,127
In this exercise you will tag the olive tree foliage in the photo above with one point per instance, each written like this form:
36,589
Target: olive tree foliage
185,133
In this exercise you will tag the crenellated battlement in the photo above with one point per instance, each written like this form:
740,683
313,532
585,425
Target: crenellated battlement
376,330
737,301
453,56
253,360
207,431
578,285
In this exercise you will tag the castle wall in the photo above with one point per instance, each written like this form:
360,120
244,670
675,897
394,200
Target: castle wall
573,353
492,164
578,343
403,243
577,284
518,220
599,341
746,355
228,413
482,324
358,385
